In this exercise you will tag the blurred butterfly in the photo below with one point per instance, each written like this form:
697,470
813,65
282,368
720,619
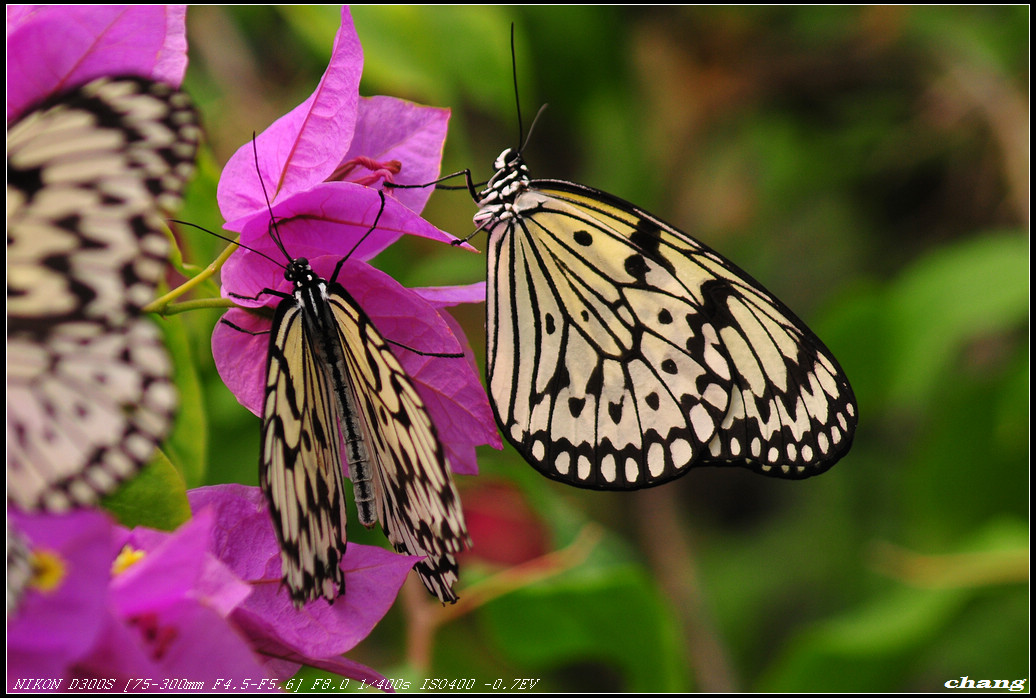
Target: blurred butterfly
331,376
623,352
89,391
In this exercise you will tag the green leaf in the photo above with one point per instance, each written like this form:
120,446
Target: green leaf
156,498
585,615
974,287
187,445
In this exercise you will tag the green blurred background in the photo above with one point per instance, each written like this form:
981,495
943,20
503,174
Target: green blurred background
870,166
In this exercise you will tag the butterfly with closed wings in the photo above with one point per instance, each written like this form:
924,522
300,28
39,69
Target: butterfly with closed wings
332,377
89,390
621,351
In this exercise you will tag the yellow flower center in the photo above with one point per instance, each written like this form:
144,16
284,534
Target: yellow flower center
127,558
48,570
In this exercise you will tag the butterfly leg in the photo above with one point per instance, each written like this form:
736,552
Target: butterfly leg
433,354
232,326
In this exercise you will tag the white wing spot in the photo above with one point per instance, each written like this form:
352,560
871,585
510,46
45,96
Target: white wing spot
608,470
681,452
701,420
563,462
632,471
539,450
656,459
583,468
715,395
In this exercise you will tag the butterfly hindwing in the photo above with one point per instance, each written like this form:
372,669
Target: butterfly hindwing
89,389
415,498
623,352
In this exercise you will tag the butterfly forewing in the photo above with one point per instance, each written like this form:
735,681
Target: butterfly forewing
623,352
89,390
301,467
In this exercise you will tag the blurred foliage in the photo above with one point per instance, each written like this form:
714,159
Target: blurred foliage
870,166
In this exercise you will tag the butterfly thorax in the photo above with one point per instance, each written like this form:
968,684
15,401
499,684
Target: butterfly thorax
497,201
310,292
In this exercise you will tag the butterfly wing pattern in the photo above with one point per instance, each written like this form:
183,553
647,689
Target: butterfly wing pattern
89,389
622,352
332,377
301,467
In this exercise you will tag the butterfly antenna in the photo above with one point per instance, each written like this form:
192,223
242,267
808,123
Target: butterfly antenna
517,101
374,226
275,232
533,127
523,138
232,241
370,230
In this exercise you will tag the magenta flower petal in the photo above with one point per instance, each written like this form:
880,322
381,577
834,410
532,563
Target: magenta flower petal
446,296
330,218
176,566
185,640
241,358
51,629
304,146
345,667
244,540
390,129
54,48
373,577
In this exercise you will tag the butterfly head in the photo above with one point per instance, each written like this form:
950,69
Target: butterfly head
507,183
298,271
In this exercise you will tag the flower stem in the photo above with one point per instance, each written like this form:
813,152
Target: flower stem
161,305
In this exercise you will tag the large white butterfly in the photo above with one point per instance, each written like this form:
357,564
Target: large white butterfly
331,377
622,351
89,394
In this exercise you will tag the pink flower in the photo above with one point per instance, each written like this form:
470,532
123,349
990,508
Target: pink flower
322,164
203,603
52,48
242,538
